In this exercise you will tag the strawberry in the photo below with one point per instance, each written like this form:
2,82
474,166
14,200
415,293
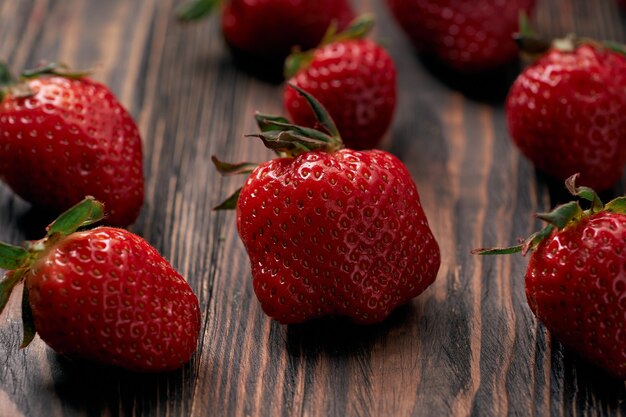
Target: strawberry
103,295
565,112
329,230
263,32
353,78
64,136
576,277
467,35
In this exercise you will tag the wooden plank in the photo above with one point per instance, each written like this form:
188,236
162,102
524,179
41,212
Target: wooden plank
468,346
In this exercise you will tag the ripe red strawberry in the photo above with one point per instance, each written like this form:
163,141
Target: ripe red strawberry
265,31
576,278
64,136
467,35
103,295
354,78
331,231
566,113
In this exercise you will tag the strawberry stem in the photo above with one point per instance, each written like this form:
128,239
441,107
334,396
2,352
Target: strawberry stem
529,243
566,44
196,9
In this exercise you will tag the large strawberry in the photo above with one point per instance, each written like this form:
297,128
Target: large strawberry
567,112
103,294
576,277
263,32
64,136
467,35
353,78
328,230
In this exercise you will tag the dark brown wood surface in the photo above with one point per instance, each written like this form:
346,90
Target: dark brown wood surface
469,345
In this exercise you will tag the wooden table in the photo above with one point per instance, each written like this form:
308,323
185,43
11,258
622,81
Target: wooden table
468,346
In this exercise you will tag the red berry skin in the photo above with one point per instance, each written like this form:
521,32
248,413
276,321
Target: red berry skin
70,139
335,234
566,113
467,35
107,296
576,286
355,80
269,29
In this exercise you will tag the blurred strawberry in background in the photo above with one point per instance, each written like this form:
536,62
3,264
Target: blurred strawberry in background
469,36
262,33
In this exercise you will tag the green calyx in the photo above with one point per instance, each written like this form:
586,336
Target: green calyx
532,45
528,41
290,140
287,140
6,79
561,217
359,28
18,260
20,88
196,9
53,68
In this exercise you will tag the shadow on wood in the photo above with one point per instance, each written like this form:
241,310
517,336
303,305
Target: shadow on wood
588,382
94,388
489,87
340,336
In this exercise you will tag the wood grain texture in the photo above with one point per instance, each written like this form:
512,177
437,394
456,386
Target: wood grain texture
468,346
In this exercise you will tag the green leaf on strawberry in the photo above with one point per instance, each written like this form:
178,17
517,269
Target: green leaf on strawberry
6,288
54,68
12,257
6,79
196,9
85,213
